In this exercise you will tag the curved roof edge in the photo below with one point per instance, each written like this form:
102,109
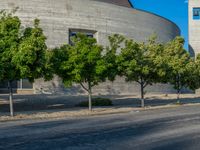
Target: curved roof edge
160,17
130,3
116,2
123,3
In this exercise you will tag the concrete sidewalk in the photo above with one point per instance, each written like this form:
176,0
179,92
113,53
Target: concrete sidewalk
56,106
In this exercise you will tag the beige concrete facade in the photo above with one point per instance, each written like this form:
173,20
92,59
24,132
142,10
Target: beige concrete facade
194,28
59,17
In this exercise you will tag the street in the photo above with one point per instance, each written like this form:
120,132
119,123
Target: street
161,129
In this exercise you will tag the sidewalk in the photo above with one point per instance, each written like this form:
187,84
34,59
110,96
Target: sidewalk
37,107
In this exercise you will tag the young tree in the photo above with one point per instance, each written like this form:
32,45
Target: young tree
22,53
58,63
111,54
9,42
137,63
82,63
192,76
176,58
30,57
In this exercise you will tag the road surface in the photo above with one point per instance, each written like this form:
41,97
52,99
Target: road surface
163,129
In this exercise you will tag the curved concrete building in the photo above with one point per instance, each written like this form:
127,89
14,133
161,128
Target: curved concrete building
62,18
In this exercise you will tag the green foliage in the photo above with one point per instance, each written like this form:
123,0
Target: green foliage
9,42
31,55
82,63
110,57
22,53
137,62
48,72
86,60
59,62
177,61
97,102
141,62
193,73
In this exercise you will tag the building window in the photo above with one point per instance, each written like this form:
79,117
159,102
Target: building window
4,85
24,84
73,32
20,84
196,13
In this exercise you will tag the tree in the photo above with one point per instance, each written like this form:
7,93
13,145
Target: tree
30,57
137,63
22,52
111,54
192,76
58,63
82,63
177,59
9,42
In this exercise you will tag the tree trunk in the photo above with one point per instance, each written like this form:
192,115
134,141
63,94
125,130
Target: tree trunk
11,98
142,94
178,86
90,96
178,94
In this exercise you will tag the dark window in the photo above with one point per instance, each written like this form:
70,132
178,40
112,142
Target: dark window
73,32
26,84
196,13
4,85
21,84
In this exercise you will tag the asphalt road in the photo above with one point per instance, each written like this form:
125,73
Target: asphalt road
164,129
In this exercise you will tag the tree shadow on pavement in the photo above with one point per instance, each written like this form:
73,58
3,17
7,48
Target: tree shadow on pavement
98,133
43,102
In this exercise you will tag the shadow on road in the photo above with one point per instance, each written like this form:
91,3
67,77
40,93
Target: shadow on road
52,102
168,133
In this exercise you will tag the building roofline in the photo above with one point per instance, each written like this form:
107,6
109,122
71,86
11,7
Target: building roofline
132,7
156,15
125,3
130,3
160,17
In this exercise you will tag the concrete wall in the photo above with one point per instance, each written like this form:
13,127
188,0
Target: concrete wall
58,16
194,29
125,3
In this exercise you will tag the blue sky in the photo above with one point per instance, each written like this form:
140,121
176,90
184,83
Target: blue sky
175,10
